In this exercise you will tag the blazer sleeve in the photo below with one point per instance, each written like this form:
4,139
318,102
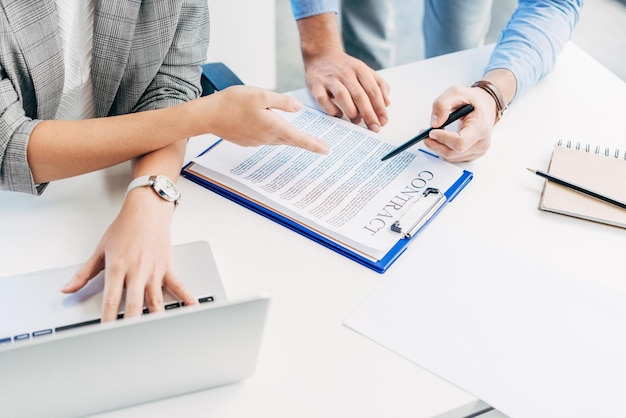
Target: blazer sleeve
178,78
15,130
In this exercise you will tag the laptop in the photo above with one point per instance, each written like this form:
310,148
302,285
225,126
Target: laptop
57,359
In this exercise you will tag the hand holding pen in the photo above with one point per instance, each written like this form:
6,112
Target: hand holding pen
473,138
454,116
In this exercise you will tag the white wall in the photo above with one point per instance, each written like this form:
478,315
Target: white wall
243,36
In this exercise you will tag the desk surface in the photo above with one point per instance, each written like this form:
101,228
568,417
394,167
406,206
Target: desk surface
310,364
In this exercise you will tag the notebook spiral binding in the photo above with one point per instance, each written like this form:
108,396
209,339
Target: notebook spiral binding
608,152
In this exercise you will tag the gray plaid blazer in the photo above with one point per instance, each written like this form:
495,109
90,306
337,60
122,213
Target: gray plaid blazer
146,55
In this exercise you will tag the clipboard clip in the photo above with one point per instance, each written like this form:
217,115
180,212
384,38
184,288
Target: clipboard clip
431,193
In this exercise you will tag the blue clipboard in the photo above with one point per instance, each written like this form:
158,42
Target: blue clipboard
217,76
379,266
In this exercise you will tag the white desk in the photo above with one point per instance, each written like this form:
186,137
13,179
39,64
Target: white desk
310,365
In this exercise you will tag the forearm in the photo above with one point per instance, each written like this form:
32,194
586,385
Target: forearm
166,161
319,34
241,114
60,149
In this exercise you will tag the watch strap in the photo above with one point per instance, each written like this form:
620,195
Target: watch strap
151,181
140,182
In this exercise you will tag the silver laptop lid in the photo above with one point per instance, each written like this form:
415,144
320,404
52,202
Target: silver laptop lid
117,364
90,369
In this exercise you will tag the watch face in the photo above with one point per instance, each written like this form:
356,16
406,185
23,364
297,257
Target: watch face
166,188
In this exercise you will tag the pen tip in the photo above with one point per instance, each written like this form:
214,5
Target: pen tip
531,170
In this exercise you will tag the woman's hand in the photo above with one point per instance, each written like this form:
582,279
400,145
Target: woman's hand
243,115
135,253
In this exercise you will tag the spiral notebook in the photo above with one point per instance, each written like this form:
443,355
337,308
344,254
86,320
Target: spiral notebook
601,169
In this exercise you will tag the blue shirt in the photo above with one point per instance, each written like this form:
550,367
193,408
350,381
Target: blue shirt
528,45
533,38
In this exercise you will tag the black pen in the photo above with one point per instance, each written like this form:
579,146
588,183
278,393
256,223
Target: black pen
578,188
457,114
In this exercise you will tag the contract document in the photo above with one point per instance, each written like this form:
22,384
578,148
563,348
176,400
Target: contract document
349,198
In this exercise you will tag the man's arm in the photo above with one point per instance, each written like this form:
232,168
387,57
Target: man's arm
526,52
341,84
532,40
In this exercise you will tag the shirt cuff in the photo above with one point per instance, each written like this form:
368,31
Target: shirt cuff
308,8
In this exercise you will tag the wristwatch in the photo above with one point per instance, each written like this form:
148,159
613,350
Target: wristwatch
162,185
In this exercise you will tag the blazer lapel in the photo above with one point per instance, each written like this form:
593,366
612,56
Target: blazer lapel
114,29
36,31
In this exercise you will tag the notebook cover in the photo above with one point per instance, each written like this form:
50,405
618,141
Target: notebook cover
597,168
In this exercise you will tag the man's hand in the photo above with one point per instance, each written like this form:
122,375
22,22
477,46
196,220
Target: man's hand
341,84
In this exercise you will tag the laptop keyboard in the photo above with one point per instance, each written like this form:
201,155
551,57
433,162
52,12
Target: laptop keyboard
50,331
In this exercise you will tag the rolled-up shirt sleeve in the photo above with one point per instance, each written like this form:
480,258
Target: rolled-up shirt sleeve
308,8
533,38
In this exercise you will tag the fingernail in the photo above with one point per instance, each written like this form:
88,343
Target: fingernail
433,120
374,127
297,105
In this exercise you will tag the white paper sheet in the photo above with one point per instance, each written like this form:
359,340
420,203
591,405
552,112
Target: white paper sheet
526,340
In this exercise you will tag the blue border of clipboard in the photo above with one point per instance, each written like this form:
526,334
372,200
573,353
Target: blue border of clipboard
379,266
